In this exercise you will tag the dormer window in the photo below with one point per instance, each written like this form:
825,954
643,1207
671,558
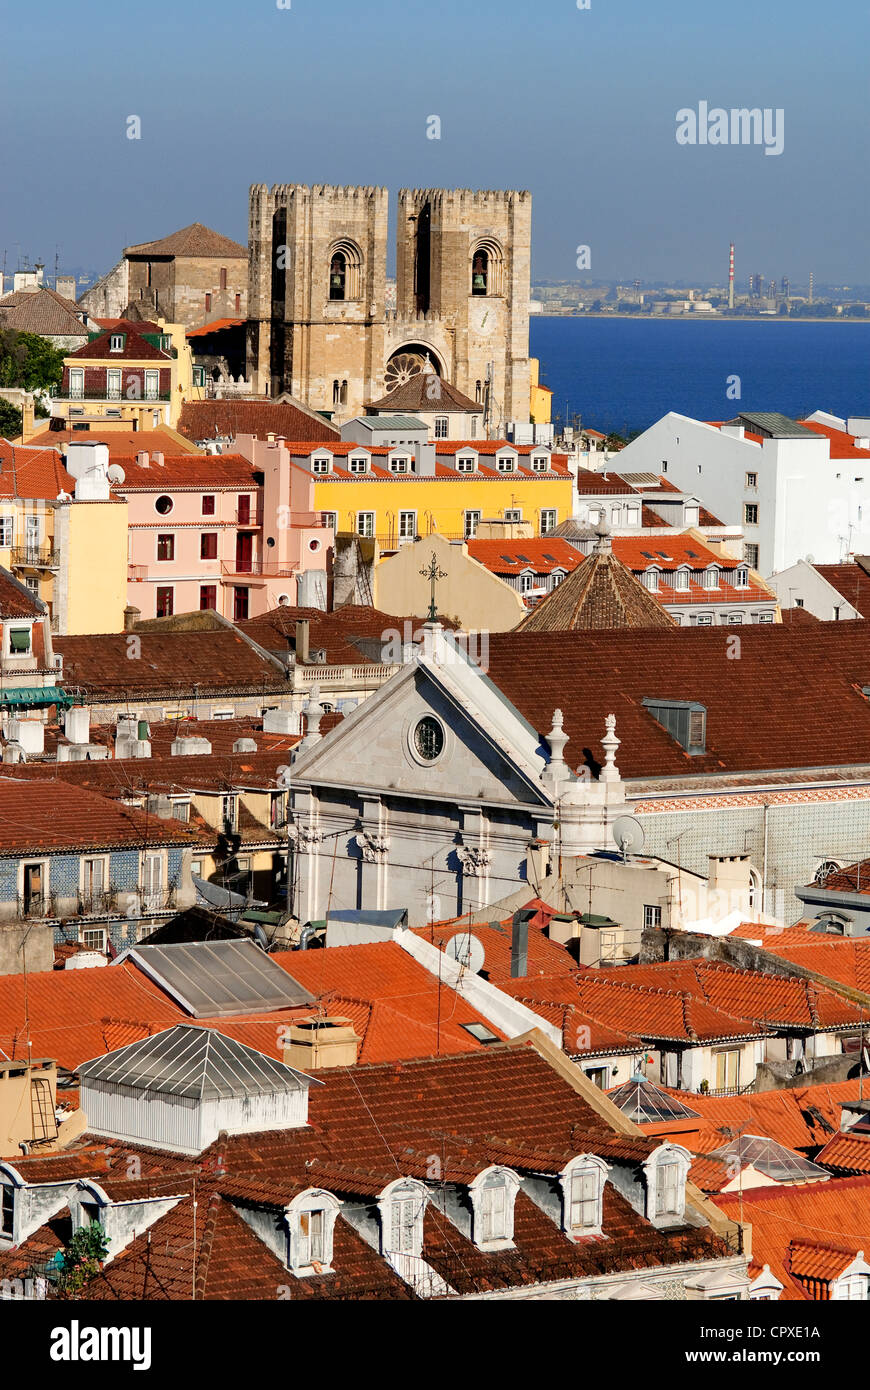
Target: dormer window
7,1211
693,515
506,463
666,1171
742,577
165,342
711,577
358,464
685,721
651,580
311,1222
527,579
402,1206
320,465
582,1183
116,342
493,1194
682,579
540,463
464,465
399,465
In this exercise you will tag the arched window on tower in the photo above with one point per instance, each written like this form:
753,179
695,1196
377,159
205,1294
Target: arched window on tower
338,276
480,273
342,395
336,393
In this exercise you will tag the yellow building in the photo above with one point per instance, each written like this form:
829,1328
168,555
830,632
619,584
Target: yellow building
63,539
130,374
396,494
541,402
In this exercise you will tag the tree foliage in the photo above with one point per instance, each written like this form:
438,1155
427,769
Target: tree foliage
28,361
81,1259
10,420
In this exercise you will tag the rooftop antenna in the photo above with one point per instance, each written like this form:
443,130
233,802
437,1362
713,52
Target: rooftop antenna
629,836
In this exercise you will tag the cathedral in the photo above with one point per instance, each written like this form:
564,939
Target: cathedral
319,325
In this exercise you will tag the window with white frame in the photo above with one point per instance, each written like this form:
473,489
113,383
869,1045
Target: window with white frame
365,523
651,580
77,383
7,531
548,520
93,938
506,463
402,1206
741,577
320,465
152,879
229,811
442,426
615,516
692,515
711,577
310,1225
854,1287
330,519
704,620
526,582
556,577
682,579
513,514
582,1183
399,465
116,342
666,1171
472,520
735,618
465,464
652,915
358,463
407,525
632,516
493,1194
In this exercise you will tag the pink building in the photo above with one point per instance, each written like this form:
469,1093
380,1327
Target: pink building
221,532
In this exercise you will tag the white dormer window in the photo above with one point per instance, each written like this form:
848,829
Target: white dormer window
402,1206
399,465
7,1211
310,1224
711,577
682,579
527,579
854,1283
319,464
693,515
116,342
742,577
358,463
505,463
666,1171
493,1194
582,1183
651,580
165,342
557,576
540,463
465,464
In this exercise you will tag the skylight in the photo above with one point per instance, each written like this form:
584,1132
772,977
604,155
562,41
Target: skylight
644,1103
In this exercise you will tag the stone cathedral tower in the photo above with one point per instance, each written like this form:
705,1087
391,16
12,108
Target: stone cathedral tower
319,327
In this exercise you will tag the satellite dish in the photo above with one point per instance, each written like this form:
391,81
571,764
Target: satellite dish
116,473
628,834
466,950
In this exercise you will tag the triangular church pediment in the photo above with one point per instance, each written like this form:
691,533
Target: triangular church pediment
432,732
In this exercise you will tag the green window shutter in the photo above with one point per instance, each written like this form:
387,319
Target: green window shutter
19,639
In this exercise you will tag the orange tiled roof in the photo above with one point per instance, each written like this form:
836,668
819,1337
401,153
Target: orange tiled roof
846,1152
33,471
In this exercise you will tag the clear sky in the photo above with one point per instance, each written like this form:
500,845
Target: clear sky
577,105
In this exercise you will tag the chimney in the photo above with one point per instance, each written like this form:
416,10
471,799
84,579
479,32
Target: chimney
315,1044
27,419
132,614
519,946
142,458
302,631
158,458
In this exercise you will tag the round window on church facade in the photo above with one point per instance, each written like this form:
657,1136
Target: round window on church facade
429,738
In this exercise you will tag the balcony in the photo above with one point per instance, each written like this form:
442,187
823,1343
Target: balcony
35,557
249,516
37,905
106,394
263,569
137,573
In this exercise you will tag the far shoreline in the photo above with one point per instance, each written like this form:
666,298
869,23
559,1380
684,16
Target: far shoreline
702,318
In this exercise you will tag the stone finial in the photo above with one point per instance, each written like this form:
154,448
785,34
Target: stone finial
610,743
557,770
603,542
313,715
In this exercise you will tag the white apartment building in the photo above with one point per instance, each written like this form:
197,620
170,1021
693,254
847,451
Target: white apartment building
799,491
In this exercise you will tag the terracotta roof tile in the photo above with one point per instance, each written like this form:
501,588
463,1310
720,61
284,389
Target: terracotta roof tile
195,240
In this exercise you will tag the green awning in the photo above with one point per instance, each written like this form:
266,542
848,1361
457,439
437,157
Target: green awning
36,697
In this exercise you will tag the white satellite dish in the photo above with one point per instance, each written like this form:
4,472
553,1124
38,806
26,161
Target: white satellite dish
116,473
467,951
628,834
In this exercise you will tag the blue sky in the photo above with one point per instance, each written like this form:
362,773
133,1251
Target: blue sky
577,105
